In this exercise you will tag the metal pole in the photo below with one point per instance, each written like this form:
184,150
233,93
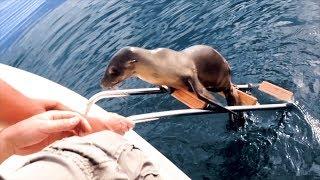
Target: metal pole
247,86
122,93
140,91
188,112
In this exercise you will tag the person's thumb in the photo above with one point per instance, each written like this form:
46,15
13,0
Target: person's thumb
61,125
52,105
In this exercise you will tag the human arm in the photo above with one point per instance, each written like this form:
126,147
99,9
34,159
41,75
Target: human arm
15,106
35,133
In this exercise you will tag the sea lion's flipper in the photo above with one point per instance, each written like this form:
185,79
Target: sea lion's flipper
200,90
205,95
232,100
230,97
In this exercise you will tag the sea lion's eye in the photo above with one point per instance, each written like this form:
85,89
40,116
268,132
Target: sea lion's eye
113,71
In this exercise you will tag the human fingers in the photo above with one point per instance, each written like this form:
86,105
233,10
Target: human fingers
129,123
53,105
119,126
84,126
60,125
123,128
59,114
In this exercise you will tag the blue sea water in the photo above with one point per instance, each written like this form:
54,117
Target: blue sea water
272,40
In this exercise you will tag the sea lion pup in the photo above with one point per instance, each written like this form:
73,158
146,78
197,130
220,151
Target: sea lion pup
196,68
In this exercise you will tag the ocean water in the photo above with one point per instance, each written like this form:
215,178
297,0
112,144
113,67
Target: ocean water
273,40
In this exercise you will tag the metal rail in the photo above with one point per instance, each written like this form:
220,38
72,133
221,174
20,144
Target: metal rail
122,93
140,91
188,112
183,112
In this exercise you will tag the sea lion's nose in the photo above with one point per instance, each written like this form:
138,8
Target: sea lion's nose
103,84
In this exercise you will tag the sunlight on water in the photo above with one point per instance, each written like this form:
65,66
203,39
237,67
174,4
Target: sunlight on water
313,122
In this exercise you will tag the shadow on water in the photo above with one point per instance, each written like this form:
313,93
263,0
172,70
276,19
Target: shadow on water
270,40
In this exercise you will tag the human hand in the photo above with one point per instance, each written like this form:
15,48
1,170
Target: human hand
33,134
111,121
25,108
47,105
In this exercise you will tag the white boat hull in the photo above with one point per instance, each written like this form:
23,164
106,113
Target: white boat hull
38,87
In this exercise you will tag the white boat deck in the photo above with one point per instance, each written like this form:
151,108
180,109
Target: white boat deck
37,87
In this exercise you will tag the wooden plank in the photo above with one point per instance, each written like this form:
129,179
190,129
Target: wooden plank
247,99
188,98
276,91
191,100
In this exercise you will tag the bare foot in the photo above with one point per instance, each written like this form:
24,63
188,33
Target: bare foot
111,121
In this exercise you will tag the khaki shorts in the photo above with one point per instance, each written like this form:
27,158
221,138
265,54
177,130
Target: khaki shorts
103,155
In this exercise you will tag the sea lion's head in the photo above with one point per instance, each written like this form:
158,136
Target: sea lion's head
121,67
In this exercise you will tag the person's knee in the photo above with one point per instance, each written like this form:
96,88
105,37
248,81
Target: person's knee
107,146
137,165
